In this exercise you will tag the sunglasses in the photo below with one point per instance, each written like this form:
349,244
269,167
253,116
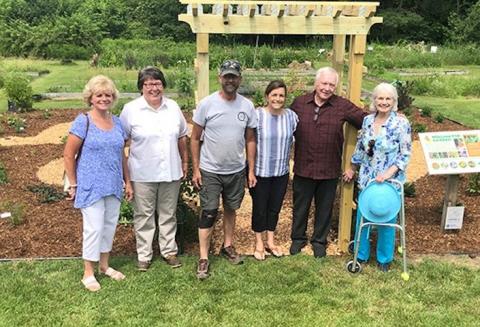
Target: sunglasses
371,146
315,117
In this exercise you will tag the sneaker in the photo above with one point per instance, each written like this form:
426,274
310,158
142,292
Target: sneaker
173,261
231,255
202,269
143,265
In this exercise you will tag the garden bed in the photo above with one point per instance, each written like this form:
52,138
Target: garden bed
55,229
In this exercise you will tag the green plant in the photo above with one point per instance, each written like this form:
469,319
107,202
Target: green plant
19,124
64,139
419,128
426,112
16,210
126,213
18,90
184,79
407,111
46,113
3,174
46,193
258,99
117,109
439,118
409,190
474,184
404,90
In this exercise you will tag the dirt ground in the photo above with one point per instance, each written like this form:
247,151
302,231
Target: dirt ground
55,230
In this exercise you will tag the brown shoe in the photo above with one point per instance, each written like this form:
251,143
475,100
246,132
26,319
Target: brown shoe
143,265
202,269
232,255
173,261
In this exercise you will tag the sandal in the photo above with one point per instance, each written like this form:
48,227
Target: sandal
91,284
259,255
114,274
274,251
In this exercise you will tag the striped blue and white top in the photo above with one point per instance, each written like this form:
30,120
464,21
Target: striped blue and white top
274,141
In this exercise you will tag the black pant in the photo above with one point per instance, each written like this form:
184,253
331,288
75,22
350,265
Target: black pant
323,191
267,199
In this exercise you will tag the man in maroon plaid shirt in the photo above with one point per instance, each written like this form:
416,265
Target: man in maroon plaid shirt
318,157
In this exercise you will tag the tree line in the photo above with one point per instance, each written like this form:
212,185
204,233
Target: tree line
76,28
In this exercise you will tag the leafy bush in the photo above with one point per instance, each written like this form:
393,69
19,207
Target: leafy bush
18,90
265,57
68,51
19,124
439,118
474,184
426,112
409,190
3,174
16,211
126,213
404,90
117,109
407,111
46,193
419,128
258,99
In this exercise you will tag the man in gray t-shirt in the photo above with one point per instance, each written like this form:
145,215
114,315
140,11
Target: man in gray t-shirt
224,122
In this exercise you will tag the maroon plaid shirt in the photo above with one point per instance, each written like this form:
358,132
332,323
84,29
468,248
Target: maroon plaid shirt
319,144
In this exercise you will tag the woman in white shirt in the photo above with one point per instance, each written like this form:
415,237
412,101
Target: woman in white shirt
157,162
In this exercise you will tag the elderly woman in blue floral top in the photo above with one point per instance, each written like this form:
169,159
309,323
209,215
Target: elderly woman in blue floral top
382,152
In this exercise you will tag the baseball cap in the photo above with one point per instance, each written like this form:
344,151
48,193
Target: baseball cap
230,67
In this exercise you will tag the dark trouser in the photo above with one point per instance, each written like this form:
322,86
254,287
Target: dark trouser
267,199
323,191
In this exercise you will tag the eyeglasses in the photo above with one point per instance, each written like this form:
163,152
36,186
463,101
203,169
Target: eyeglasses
152,85
371,146
315,117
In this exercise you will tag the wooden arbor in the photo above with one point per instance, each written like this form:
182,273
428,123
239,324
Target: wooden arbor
291,17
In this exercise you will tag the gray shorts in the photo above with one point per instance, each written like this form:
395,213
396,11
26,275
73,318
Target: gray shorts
231,187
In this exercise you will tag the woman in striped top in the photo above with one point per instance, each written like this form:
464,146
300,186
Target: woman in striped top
276,125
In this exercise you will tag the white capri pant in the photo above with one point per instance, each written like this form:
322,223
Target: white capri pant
99,224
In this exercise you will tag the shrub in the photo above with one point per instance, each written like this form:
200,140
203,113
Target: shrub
404,90
266,57
46,193
258,99
407,111
3,174
409,190
474,184
126,213
419,128
426,112
117,109
18,90
68,51
19,124
439,118
16,211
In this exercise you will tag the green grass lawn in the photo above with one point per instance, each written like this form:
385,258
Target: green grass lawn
292,291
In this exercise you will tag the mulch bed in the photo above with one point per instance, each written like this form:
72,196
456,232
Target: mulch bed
55,229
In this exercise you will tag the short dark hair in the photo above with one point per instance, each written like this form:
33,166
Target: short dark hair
150,72
275,84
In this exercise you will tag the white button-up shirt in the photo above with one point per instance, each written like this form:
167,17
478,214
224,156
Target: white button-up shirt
154,133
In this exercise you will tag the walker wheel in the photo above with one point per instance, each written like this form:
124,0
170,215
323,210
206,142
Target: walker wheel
351,247
352,269
405,276
400,249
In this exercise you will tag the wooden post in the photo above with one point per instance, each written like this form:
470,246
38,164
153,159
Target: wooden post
450,196
338,59
202,66
355,64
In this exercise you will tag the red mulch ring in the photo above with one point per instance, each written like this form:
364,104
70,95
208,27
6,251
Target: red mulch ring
55,229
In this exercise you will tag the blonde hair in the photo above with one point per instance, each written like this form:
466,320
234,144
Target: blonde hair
388,88
99,83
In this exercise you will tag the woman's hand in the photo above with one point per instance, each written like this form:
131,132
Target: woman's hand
252,180
184,170
128,191
72,191
348,175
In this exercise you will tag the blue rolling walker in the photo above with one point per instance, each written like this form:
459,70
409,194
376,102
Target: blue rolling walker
378,204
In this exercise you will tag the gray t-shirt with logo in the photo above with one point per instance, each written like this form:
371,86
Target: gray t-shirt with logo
224,124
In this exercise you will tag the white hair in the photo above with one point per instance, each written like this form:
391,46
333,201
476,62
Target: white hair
387,88
326,70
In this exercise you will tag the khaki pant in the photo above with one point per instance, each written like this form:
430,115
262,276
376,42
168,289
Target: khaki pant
151,198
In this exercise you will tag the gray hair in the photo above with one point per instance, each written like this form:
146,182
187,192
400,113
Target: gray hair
326,70
388,88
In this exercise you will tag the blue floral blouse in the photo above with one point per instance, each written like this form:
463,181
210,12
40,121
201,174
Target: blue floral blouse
376,153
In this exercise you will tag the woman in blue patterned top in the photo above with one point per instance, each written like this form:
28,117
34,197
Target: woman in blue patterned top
276,125
382,152
95,165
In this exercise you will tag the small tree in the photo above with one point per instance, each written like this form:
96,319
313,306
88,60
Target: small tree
19,91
